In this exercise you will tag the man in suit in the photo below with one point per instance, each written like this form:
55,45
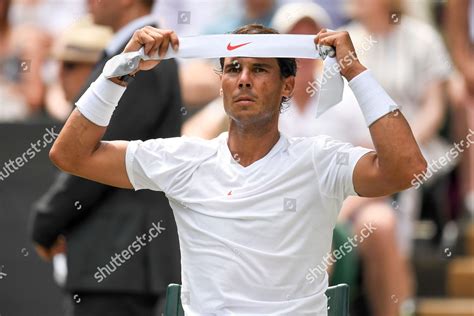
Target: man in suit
103,224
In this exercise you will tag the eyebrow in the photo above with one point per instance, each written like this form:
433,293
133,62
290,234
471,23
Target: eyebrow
262,65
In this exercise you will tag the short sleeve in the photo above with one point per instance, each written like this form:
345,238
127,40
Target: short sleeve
162,164
136,169
334,162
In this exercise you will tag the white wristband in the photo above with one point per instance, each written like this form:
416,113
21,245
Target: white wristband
98,103
373,100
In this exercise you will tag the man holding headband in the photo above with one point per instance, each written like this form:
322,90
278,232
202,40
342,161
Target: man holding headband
254,209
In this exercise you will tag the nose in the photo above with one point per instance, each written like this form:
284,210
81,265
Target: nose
244,79
247,85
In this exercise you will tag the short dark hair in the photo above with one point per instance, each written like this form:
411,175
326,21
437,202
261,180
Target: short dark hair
287,65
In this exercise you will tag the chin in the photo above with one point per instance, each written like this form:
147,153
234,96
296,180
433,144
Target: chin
250,116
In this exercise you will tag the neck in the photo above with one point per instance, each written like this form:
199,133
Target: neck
248,144
128,16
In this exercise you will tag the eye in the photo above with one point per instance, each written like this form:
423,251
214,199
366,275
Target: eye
259,69
233,69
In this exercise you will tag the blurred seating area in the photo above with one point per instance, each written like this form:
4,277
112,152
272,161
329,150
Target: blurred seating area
420,262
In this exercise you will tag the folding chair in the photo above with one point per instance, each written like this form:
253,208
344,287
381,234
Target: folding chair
338,300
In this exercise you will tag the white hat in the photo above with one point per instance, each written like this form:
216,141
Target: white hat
83,41
289,14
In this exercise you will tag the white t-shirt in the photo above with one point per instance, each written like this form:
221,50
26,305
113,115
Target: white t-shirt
248,235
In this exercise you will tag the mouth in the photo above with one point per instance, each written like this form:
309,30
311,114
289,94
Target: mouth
244,100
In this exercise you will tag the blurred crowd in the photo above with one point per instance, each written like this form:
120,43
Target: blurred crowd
420,51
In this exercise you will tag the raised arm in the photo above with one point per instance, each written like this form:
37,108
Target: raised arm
396,162
397,158
79,148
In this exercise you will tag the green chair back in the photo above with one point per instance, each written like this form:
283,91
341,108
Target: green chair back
346,269
338,300
173,306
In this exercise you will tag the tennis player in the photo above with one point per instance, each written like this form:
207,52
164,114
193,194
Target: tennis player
255,210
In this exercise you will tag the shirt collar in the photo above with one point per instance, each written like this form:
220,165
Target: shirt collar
123,35
281,144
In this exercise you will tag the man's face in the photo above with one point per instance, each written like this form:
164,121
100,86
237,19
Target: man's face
253,88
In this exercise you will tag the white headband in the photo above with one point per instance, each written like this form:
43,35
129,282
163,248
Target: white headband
243,45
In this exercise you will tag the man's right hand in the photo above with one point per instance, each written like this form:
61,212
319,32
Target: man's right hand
79,148
155,41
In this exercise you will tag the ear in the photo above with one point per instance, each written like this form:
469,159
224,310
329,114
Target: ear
288,86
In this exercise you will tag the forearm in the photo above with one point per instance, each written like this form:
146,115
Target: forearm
398,155
79,138
81,135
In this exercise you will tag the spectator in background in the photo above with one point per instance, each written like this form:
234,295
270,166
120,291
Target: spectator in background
410,61
81,210
421,10
23,50
49,16
254,11
460,35
77,51
336,9
191,17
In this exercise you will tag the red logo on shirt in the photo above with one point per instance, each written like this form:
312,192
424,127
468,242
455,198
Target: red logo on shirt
230,47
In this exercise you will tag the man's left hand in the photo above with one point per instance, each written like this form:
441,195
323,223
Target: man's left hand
345,52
